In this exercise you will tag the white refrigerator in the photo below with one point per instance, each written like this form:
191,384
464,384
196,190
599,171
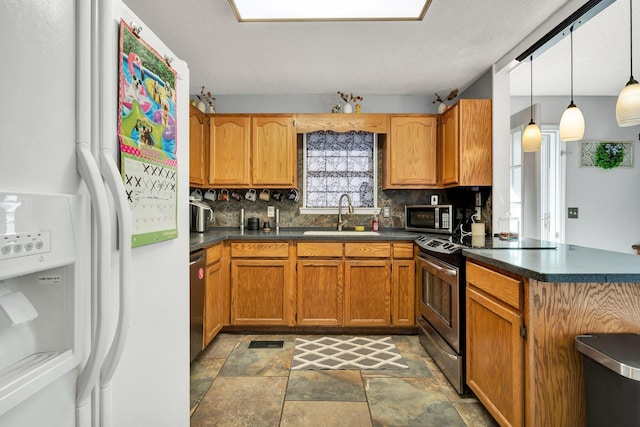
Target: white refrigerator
68,355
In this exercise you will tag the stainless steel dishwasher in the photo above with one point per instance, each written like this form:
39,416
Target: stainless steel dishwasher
197,265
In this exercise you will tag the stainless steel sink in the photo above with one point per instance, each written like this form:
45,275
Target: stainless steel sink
339,233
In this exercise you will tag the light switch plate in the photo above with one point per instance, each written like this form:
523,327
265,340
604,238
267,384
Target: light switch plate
572,213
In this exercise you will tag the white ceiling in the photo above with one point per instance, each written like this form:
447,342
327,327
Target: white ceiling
455,43
601,58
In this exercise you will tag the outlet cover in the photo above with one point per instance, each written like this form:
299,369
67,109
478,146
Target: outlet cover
572,213
386,212
271,211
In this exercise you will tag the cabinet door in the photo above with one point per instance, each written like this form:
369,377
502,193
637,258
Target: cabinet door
197,128
475,137
495,357
409,155
367,293
229,151
403,297
320,292
274,161
260,292
213,301
450,139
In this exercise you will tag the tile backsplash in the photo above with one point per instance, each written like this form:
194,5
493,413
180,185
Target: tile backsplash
227,213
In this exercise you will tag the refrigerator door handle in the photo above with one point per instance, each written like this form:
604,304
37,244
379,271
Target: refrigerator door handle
90,173
114,182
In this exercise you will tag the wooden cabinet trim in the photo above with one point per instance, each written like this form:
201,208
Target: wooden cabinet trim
367,250
403,250
214,253
375,123
260,250
320,249
504,288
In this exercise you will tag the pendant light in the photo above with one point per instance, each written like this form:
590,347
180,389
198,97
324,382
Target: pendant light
628,104
572,121
531,138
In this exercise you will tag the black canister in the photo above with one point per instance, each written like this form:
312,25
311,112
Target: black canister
253,223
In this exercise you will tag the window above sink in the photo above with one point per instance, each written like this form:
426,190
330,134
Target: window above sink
336,163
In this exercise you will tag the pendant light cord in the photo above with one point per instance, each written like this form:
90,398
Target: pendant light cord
631,39
531,80
571,31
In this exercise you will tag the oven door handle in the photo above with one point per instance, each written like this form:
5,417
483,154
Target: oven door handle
447,271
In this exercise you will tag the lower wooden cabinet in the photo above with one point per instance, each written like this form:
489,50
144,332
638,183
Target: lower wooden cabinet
213,301
495,346
215,292
259,292
311,284
261,284
320,292
367,291
355,284
403,295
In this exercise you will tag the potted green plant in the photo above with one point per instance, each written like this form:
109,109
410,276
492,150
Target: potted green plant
609,155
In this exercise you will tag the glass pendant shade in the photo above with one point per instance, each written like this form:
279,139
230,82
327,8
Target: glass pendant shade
572,120
572,124
531,138
628,105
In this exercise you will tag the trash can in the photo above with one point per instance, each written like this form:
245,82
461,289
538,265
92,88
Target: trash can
611,378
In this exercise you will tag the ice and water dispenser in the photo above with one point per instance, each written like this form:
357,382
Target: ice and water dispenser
39,294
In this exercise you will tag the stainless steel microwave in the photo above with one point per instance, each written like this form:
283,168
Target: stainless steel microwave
429,218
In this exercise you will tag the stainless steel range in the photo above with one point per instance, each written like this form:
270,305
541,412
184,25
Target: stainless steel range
441,302
441,308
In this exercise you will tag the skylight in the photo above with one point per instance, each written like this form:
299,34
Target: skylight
329,10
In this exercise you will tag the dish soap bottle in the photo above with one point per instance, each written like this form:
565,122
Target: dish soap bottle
374,223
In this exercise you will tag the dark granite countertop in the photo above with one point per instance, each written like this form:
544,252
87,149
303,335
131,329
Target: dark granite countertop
566,263
215,235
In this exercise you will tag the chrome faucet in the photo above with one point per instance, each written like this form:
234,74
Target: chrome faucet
341,223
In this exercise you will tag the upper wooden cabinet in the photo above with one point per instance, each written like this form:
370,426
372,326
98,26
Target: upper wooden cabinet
274,162
466,144
198,144
230,147
252,151
409,153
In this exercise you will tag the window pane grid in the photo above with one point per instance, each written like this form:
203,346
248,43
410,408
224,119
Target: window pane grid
337,163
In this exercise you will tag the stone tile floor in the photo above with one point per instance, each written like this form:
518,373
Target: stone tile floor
233,385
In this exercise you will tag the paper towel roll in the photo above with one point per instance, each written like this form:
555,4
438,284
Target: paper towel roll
477,241
477,229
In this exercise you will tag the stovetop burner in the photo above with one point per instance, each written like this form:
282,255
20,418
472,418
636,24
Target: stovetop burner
453,244
439,244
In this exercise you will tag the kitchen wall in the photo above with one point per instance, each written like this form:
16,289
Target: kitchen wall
322,103
608,200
